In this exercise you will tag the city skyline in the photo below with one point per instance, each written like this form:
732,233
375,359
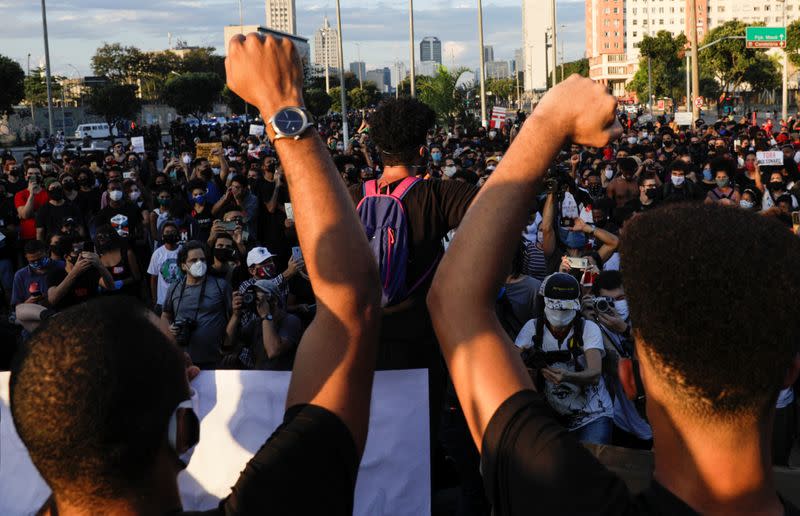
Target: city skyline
145,24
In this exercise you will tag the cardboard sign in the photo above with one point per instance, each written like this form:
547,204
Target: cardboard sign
683,118
238,410
256,130
137,142
770,158
203,150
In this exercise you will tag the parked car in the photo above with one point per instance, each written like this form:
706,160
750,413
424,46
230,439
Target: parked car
95,130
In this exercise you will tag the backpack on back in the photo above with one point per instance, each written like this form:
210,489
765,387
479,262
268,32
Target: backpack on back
384,219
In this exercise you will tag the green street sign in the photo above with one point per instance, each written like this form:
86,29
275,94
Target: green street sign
766,37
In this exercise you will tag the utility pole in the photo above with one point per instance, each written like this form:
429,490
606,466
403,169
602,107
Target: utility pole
342,88
546,58
411,47
649,86
47,69
555,41
563,55
785,88
692,8
483,64
360,79
688,83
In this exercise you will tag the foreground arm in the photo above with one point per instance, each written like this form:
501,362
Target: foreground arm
335,361
485,367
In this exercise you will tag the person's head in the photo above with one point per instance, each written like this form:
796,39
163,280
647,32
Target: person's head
692,359
750,161
667,141
9,164
132,191
106,239
115,174
268,166
238,186
193,259
160,181
234,216
784,203
399,128
268,291
55,191
560,295
33,174
722,171
170,234
223,248
36,255
115,191
748,199
85,179
594,184
648,185
197,190
97,426
678,170
436,154
608,284
261,263
55,242
601,208
776,184
67,183
163,197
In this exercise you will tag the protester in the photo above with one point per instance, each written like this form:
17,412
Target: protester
51,216
32,282
163,269
82,278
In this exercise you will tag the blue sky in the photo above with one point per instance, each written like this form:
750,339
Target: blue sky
78,27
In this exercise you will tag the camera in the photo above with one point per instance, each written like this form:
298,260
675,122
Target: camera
249,298
535,358
601,305
184,328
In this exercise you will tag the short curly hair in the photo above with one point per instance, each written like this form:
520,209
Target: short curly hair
719,325
399,127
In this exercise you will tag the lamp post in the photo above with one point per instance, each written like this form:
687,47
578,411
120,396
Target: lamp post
342,88
554,44
482,63
411,46
360,79
785,86
47,69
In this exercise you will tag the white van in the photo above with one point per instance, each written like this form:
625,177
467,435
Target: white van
97,130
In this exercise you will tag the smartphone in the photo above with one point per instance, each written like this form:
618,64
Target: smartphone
567,222
578,263
127,175
795,221
289,211
297,254
228,225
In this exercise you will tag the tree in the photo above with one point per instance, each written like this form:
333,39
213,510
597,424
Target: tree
336,99
200,60
36,87
113,102
665,52
793,42
366,96
733,65
13,80
502,89
317,101
193,93
442,95
580,67
235,102
118,63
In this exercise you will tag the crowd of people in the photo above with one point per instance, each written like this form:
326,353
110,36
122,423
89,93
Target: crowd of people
210,243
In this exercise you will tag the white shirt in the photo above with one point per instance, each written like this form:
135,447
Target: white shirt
579,404
164,264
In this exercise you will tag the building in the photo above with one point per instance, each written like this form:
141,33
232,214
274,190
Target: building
398,73
359,69
488,54
281,15
537,58
427,68
378,77
430,49
497,70
326,47
300,43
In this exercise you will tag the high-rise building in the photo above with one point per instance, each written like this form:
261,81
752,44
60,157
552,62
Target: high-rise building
379,78
326,47
398,73
536,33
430,49
359,69
497,70
281,15
488,53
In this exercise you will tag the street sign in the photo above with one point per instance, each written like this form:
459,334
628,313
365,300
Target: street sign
698,101
765,37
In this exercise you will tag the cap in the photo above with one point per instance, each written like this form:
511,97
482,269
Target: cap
49,181
268,287
258,255
561,291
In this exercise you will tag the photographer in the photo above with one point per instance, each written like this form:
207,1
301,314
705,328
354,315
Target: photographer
261,266
271,338
81,279
608,308
198,308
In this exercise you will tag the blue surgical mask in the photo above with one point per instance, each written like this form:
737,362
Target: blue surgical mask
39,264
436,156
707,174
200,199
572,239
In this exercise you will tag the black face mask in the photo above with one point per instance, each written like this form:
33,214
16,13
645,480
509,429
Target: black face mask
776,186
85,181
252,182
651,193
223,254
57,194
69,186
596,191
171,238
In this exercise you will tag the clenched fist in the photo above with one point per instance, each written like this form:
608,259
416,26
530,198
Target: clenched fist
265,71
583,110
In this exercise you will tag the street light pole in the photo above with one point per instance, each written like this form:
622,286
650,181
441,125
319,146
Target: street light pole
695,65
411,47
785,88
546,58
482,63
688,84
563,55
649,86
360,79
47,69
342,88
555,41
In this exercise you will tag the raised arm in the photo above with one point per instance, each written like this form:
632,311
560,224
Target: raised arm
335,361
485,367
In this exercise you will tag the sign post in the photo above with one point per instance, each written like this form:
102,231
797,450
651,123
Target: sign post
765,37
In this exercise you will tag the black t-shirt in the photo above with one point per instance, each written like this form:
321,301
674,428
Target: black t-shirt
273,224
8,217
13,188
89,202
531,464
126,226
433,208
307,466
201,224
83,288
50,217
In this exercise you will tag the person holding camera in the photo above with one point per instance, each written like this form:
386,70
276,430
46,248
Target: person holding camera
198,308
271,337
28,202
261,266
81,278
564,352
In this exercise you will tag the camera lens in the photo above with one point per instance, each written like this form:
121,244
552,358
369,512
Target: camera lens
602,305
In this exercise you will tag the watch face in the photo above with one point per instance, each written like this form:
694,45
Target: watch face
289,121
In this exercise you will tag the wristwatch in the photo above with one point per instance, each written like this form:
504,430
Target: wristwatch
291,122
268,317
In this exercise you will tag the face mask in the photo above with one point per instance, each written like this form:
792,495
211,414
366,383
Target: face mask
39,264
251,147
632,140
651,193
115,195
449,171
173,175
215,171
170,238
609,173
56,194
163,202
749,165
198,269
596,191
622,309
200,199
707,174
223,254
68,186
85,181
436,156
489,169
747,205
135,194
187,159
559,318
722,183
776,186
252,182
677,180
492,134
667,143
468,162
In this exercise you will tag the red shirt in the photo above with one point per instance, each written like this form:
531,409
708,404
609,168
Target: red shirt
27,228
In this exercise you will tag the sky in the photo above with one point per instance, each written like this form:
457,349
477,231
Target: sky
379,27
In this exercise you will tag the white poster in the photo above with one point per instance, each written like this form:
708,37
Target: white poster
256,130
683,117
770,158
238,412
137,142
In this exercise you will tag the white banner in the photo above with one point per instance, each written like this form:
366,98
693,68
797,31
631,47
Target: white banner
256,130
683,117
770,158
137,142
238,412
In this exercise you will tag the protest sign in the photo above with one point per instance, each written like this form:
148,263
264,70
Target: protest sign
498,117
683,118
137,142
770,158
256,130
238,410
203,150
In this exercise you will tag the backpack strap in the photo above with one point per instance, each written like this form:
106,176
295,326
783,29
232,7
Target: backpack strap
404,186
370,188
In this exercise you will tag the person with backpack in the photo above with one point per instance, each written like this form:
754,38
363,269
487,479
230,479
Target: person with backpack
564,354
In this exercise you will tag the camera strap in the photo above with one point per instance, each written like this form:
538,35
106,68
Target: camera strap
199,299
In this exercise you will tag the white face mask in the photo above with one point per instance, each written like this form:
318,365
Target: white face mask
198,269
135,194
187,159
609,173
747,205
492,134
559,318
251,146
622,309
215,171
115,195
677,180
449,171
